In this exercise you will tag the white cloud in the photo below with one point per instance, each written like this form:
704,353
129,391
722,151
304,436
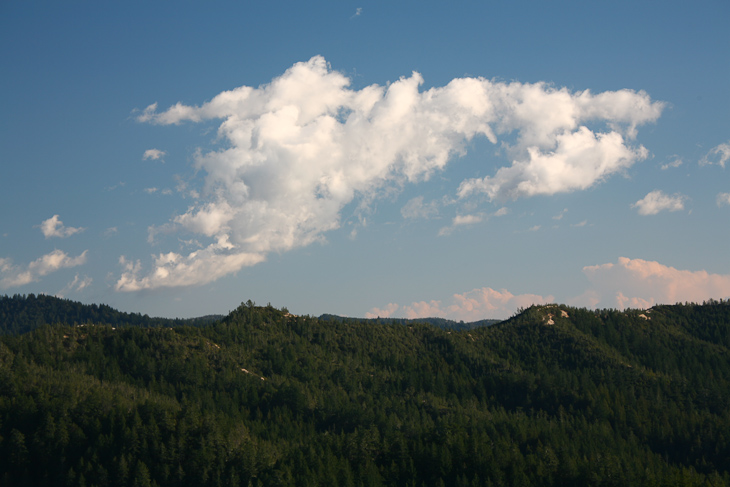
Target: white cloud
53,227
657,201
718,155
675,162
502,211
416,208
560,215
474,305
387,312
723,199
154,154
15,276
301,148
556,152
173,270
460,221
154,190
579,160
76,285
638,283
120,184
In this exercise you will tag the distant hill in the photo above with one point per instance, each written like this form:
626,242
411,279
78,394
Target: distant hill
552,396
438,322
21,314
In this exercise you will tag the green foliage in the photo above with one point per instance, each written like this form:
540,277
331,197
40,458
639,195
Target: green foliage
553,396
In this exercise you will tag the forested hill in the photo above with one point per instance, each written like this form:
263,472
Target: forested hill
21,314
553,396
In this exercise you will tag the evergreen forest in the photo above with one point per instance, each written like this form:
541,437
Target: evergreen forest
553,396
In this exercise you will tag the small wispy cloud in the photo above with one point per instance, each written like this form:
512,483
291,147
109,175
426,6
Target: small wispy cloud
657,201
675,162
416,208
357,13
120,184
15,276
153,190
154,155
53,227
560,215
723,199
76,285
461,221
717,155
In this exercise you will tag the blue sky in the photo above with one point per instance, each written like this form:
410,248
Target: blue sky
365,158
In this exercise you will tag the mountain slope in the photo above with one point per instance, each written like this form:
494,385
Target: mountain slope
553,396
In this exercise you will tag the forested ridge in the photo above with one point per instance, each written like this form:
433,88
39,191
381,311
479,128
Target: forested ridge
21,314
439,322
553,396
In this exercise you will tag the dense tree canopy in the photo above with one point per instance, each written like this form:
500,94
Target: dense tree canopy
553,396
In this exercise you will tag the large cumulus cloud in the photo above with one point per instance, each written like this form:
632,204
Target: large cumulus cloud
300,148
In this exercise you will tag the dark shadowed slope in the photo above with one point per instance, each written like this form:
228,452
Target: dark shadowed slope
553,396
